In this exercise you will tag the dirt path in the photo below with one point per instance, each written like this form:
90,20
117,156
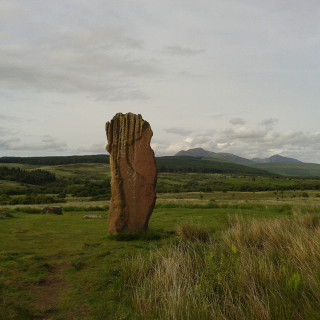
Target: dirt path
48,291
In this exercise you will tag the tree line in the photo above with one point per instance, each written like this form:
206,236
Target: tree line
37,177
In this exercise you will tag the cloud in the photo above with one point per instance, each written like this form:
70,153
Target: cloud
251,143
237,121
182,51
10,12
94,148
178,131
269,123
241,133
218,116
47,144
8,117
104,61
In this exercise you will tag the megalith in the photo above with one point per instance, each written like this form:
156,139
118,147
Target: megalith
133,173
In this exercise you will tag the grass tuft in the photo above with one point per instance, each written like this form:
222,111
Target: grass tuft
193,232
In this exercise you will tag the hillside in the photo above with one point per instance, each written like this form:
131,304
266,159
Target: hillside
200,161
192,164
276,159
276,164
199,152
164,164
291,169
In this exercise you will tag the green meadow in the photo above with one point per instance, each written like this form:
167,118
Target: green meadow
218,254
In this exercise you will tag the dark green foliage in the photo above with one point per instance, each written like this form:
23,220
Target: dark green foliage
291,169
192,164
38,177
53,161
35,199
92,189
200,182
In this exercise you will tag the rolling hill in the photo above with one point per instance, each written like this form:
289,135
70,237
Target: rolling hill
276,159
193,164
201,153
300,169
276,164
193,160
164,164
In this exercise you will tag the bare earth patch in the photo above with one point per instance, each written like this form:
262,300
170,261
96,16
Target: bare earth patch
47,292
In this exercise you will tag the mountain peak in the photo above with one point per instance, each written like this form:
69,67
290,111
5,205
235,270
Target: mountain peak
277,158
195,152
202,153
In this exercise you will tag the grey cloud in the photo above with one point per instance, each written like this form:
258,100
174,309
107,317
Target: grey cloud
5,131
93,38
47,144
237,121
8,117
178,131
218,116
269,123
181,51
92,61
94,148
121,95
9,12
241,133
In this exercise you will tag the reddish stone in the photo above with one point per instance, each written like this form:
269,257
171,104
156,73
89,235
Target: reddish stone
133,173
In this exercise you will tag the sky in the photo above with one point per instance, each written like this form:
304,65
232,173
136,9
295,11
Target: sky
225,75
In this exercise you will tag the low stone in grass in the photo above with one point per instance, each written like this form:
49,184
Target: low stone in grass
5,215
52,210
92,216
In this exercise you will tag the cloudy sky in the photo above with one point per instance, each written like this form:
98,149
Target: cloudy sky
226,75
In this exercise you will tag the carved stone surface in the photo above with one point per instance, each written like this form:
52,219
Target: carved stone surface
133,173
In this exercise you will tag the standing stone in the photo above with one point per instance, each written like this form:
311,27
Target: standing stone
133,173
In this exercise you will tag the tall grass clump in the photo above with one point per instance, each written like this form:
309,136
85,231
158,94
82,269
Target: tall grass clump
193,232
258,270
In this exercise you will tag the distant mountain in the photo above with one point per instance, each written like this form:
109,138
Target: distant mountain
201,153
276,164
276,159
189,164
297,169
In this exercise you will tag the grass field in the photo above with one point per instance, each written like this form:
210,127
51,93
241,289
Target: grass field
66,267
205,256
